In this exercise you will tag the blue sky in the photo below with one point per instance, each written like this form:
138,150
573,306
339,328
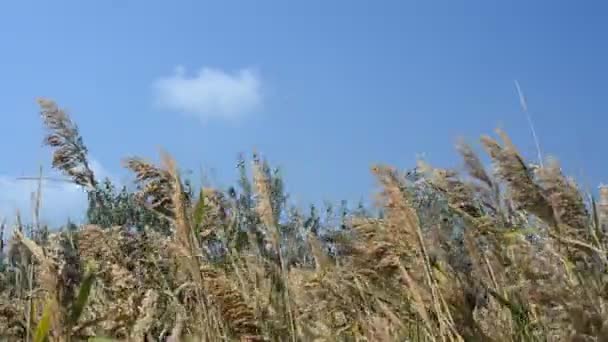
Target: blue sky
324,89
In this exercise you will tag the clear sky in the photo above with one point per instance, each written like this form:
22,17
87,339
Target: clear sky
324,89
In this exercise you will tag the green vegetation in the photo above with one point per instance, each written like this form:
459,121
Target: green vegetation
513,254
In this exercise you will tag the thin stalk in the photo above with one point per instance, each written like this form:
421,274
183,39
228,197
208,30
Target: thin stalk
524,107
30,308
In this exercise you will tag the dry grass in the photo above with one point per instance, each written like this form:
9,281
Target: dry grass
516,253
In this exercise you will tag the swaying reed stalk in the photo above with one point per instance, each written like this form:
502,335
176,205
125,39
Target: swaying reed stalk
70,152
265,211
400,214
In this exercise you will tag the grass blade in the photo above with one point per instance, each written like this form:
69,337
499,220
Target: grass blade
44,326
81,300
199,211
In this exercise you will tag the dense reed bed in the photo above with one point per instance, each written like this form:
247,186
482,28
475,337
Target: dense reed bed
512,253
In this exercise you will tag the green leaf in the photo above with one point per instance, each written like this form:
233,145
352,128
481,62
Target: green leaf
44,326
518,311
596,217
199,211
81,300
100,339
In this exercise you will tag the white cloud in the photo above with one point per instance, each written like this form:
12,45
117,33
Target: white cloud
210,93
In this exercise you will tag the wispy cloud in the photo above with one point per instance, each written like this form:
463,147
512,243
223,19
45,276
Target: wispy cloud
60,200
100,171
210,93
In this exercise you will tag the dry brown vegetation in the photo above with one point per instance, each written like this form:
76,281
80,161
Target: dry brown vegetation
516,253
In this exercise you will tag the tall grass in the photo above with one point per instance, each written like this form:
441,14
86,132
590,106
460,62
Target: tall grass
515,253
